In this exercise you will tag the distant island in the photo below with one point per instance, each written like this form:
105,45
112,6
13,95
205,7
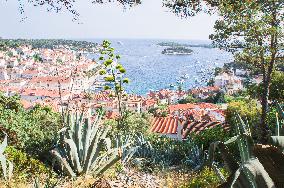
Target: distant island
175,44
178,50
75,45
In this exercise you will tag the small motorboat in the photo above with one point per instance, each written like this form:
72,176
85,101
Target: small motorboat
185,76
180,81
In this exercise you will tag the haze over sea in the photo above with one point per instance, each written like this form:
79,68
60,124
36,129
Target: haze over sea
149,69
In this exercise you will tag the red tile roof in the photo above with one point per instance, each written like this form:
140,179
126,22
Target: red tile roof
112,115
169,125
26,104
43,92
187,106
50,79
166,125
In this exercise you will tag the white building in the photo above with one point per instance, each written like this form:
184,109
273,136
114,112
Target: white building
229,83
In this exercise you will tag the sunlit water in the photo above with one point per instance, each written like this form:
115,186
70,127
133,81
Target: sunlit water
148,69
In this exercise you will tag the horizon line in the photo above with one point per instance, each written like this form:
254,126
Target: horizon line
101,38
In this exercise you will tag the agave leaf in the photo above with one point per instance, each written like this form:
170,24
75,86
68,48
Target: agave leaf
231,140
277,130
95,128
95,158
258,175
107,164
4,165
63,162
91,152
128,154
235,177
228,158
10,169
280,110
81,147
74,155
108,143
80,139
3,144
245,142
277,141
86,137
219,173
81,117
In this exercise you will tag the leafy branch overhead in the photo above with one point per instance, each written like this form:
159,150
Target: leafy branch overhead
183,8
69,5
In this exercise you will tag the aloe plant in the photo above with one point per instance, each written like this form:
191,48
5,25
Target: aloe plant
7,169
84,148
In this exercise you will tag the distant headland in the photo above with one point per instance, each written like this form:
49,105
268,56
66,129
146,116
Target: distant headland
178,50
175,44
174,48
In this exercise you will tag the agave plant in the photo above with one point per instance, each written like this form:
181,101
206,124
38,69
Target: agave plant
145,148
278,140
84,148
127,151
7,169
249,173
196,157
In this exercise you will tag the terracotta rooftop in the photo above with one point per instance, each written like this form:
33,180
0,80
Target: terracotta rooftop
169,125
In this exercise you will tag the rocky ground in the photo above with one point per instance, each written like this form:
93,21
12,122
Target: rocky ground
130,178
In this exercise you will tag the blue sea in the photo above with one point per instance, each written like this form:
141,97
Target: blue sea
149,69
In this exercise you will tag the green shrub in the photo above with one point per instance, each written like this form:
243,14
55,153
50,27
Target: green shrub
276,88
167,151
205,178
188,99
249,111
207,136
131,124
26,167
160,110
34,129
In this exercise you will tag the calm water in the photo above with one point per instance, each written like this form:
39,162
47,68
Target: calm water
148,69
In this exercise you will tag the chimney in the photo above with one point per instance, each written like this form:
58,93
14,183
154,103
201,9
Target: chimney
179,131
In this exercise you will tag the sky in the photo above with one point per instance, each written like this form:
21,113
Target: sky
149,20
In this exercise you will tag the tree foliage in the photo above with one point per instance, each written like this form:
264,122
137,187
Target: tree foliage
188,99
188,8
254,31
34,129
276,88
132,124
247,109
69,5
182,8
